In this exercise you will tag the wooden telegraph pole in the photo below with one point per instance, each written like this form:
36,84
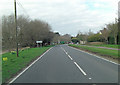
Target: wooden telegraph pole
16,28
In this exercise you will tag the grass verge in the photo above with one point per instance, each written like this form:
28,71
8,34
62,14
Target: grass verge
105,45
99,51
12,64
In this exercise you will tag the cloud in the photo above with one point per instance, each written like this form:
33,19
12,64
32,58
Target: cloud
66,16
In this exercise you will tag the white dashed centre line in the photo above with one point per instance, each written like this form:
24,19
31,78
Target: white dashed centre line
75,63
80,68
67,53
90,78
70,57
94,55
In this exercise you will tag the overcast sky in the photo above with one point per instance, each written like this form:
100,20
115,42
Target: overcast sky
66,16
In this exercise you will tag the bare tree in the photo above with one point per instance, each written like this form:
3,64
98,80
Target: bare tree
8,31
113,27
56,38
29,31
66,38
105,33
0,36
82,36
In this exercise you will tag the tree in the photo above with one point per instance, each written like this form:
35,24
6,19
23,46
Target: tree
82,37
23,23
95,38
74,40
105,33
113,27
65,38
29,31
8,32
56,38
119,31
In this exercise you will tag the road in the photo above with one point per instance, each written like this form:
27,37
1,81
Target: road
64,64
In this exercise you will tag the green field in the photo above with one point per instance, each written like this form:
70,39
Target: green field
105,45
14,64
100,51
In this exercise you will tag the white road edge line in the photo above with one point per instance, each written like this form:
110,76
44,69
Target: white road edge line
80,68
29,66
95,56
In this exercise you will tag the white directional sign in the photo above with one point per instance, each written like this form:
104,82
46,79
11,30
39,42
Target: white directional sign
38,41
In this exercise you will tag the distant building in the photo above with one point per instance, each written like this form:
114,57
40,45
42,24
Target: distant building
83,42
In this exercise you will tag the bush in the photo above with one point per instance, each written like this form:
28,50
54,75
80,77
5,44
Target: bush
95,38
13,52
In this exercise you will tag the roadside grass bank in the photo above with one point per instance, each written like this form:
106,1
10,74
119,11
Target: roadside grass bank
106,53
105,45
6,50
12,65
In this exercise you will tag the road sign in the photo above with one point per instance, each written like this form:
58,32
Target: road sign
38,41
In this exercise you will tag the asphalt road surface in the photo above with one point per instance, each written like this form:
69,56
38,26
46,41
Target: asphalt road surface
64,64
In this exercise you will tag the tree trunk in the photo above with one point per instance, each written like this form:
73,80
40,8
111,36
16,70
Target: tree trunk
115,40
107,41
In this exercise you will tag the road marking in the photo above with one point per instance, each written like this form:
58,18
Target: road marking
67,53
70,57
63,49
90,78
80,68
74,62
95,55
29,66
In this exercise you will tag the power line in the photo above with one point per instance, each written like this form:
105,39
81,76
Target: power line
15,9
21,6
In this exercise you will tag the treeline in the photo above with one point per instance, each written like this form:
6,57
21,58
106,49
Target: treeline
61,39
108,35
29,31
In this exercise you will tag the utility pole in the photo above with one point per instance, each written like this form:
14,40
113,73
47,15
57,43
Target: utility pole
16,27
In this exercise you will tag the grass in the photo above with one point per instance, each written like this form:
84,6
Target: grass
109,46
100,51
14,64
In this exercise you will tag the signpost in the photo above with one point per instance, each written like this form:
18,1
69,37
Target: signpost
39,42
